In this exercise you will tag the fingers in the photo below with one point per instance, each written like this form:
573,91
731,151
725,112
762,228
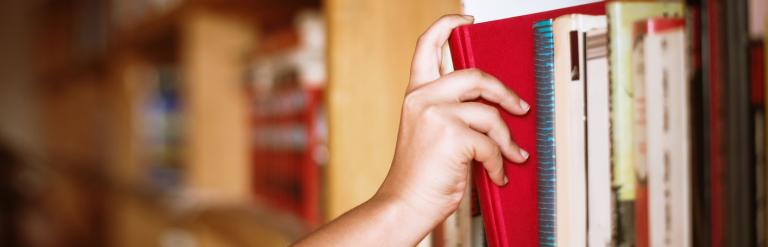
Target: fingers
425,66
486,119
486,152
471,84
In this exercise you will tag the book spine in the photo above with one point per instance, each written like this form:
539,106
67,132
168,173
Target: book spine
699,123
738,174
623,169
668,139
640,136
459,48
764,185
712,79
758,118
545,140
599,197
463,58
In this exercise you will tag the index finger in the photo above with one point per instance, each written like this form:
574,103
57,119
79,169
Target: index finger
470,84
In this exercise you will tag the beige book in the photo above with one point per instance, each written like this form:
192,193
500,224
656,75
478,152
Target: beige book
600,209
570,149
669,168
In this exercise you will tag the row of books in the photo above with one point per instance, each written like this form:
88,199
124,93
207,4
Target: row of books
643,130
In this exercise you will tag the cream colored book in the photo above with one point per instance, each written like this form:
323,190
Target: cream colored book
600,227
570,125
667,134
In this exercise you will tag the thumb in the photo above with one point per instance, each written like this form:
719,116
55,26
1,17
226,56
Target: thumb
425,66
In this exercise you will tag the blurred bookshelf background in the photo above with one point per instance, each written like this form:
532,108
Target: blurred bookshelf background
197,122
253,122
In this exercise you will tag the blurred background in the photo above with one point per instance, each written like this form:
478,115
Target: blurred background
197,122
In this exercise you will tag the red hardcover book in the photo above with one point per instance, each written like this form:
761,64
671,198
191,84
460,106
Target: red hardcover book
713,80
505,49
757,74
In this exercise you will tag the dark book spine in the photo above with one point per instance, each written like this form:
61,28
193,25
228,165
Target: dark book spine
739,194
699,115
757,77
545,136
712,98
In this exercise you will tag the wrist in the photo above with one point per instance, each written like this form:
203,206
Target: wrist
407,213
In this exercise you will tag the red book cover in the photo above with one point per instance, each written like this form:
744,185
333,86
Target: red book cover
713,80
757,74
505,49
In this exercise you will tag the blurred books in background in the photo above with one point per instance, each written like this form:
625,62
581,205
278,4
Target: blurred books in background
289,131
205,122
178,122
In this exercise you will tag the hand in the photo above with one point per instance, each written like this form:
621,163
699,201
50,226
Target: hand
442,130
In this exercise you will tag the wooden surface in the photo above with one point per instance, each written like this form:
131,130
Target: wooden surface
370,47
213,52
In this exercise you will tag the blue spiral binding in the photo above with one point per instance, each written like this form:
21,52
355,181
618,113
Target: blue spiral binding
545,125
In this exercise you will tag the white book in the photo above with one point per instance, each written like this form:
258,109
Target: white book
570,126
599,194
667,137
489,10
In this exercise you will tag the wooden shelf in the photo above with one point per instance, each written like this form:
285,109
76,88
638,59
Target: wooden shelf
156,36
163,27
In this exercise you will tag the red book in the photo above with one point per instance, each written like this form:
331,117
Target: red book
505,49
713,12
757,74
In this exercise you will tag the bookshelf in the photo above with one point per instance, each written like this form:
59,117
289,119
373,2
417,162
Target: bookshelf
100,97
95,115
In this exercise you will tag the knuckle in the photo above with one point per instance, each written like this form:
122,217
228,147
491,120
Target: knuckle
413,102
421,41
513,146
453,132
499,167
495,151
434,115
475,73
431,112
492,112
446,17
499,171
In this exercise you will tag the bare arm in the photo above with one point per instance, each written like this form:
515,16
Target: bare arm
441,132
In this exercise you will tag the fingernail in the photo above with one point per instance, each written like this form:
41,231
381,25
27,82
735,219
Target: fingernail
469,17
506,180
524,154
524,105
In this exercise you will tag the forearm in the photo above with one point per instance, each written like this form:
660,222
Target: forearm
381,221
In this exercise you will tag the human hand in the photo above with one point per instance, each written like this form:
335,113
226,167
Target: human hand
442,130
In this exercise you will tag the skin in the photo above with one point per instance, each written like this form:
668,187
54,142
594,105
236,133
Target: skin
442,130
